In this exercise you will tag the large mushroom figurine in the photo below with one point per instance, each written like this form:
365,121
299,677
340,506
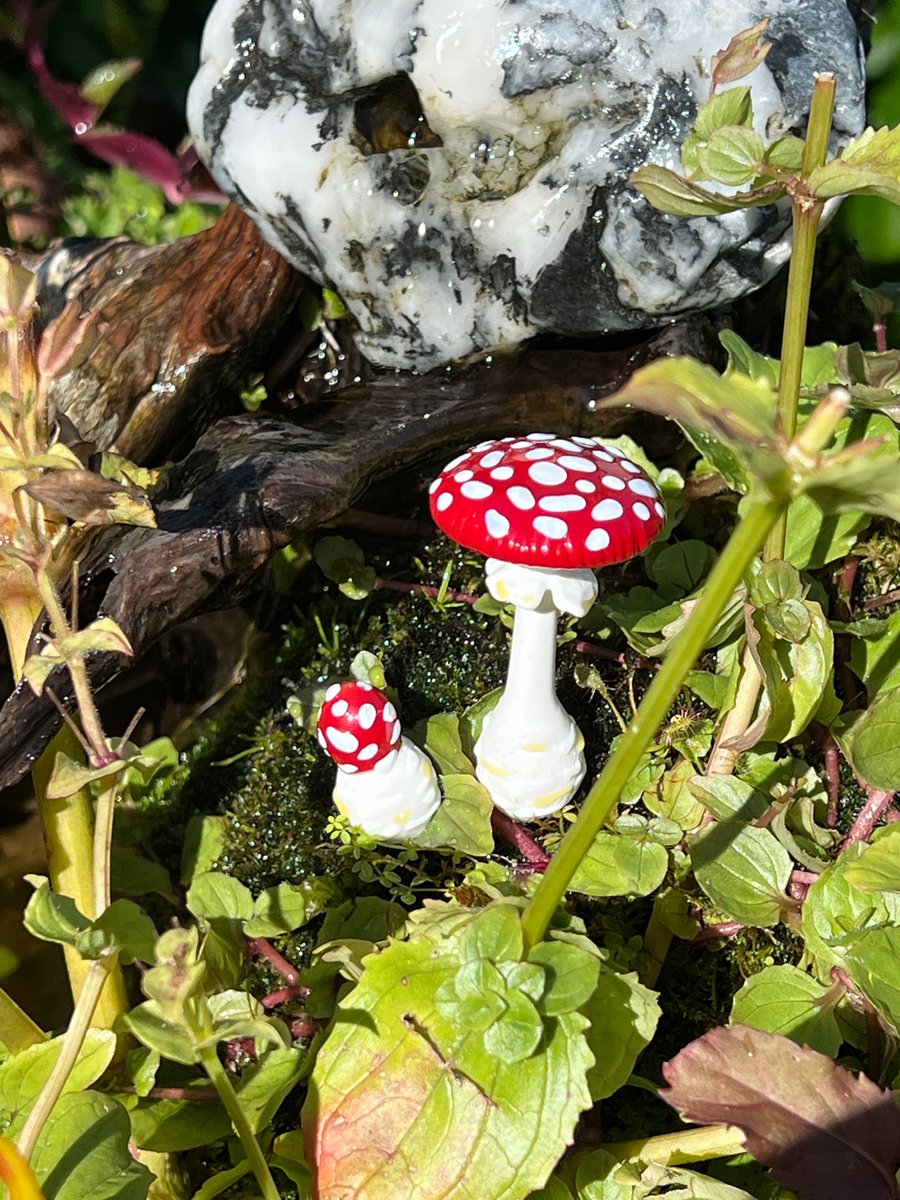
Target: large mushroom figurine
546,511
385,784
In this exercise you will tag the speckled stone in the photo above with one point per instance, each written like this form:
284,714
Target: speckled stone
457,169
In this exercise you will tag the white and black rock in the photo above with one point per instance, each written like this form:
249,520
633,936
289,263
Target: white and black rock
456,169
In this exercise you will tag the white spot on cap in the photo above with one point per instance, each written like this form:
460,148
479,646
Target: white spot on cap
551,527
348,768
660,509
520,445
630,467
561,504
547,474
366,687
565,444
476,490
389,712
615,451
456,461
321,736
497,525
443,502
597,539
366,716
541,437
482,446
395,733
332,691
491,460
585,485
641,511
368,752
603,455
521,497
643,487
574,462
503,472
462,476
339,708
343,739
538,453
433,486
584,441
607,510
613,483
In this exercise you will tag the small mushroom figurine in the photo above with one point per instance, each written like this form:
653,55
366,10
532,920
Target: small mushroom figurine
384,784
546,510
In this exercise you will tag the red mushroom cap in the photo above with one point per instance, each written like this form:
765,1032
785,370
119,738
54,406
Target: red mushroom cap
546,501
358,725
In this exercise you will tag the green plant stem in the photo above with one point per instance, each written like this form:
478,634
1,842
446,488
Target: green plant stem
686,1146
103,829
220,1081
806,216
73,1040
737,720
742,548
657,940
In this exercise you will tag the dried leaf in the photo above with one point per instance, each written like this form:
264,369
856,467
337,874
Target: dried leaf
83,496
743,54
820,1129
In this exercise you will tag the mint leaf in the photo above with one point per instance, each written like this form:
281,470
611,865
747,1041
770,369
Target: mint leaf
83,1152
783,999
743,870
620,866
869,165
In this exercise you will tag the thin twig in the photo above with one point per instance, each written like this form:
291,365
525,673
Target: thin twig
284,995
892,597
424,589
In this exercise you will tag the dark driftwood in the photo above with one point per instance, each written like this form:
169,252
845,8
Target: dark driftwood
176,327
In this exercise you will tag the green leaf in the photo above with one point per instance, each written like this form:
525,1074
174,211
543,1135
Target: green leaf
733,107
51,917
733,156
517,1031
783,999
23,1075
263,1086
125,929
215,895
728,796
394,1076
101,84
132,875
343,562
673,796
743,54
871,959
743,870
623,1015
150,1026
875,652
441,738
671,193
463,821
204,841
836,909
83,1152
877,869
278,910
869,165
571,975
173,1126
871,740
620,866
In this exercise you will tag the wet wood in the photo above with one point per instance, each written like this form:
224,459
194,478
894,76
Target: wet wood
254,482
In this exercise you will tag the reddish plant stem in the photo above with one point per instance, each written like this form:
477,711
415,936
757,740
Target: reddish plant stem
799,884
879,328
724,929
283,995
891,597
516,836
592,650
264,948
423,589
306,1027
877,802
833,779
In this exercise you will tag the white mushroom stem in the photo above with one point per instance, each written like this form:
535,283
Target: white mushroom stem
394,799
529,755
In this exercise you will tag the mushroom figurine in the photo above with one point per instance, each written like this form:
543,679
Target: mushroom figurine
385,784
546,511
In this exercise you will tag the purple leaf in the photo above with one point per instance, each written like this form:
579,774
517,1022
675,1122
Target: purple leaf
121,148
79,114
826,1133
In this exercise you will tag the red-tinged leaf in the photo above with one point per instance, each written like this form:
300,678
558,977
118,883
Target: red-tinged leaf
821,1130
743,54
77,112
149,158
